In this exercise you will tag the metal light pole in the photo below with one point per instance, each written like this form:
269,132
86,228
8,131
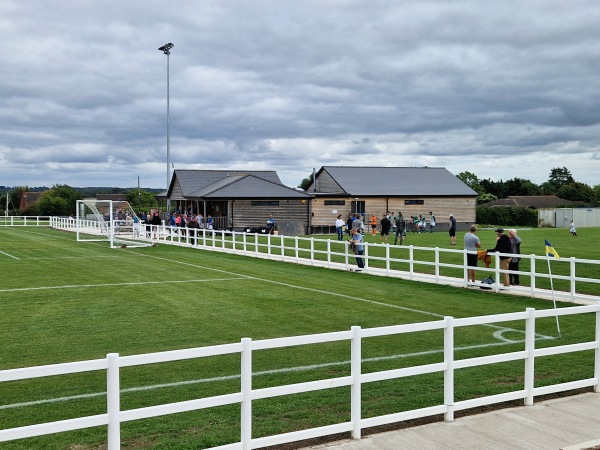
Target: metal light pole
166,49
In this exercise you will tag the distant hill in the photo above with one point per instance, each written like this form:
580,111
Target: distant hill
87,191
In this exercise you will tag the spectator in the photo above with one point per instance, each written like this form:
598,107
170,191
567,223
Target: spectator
356,243
431,222
271,224
386,224
503,246
471,245
452,229
193,226
515,245
359,224
373,224
156,223
339,227
400,228
351,219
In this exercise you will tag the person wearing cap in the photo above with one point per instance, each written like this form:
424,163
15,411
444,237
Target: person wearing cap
503,245
471,246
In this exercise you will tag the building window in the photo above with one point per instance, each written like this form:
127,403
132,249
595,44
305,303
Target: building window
414,202
335,202
265,203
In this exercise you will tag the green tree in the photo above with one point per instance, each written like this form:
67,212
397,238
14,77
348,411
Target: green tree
520,186
597,192
471,180
306,182
547,188
559,177
577,192
141,200
60,200
484,198
49,205
15,197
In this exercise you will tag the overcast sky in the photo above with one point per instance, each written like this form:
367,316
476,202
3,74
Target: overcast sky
500,88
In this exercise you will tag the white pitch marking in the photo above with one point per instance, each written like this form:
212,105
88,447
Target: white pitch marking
132,283
9,255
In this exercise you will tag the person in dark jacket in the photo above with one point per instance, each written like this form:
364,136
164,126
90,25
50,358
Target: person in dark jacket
515,243
156,223
503,245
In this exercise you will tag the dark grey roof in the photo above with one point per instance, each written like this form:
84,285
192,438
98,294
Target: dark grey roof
400,181
250,186
195,180
220,184
531,201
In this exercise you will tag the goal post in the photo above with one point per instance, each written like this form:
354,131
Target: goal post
109,220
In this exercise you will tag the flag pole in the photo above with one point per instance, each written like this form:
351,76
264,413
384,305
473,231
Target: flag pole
552,289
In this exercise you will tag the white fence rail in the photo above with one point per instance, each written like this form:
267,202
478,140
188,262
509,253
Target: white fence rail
22,221
379,259
114,416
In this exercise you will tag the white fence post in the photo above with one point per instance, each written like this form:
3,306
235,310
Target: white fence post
532,274
530,360
387,259
113,401
449,372
572,273
356,391
437,264
597,353
328,253
411,261
246,385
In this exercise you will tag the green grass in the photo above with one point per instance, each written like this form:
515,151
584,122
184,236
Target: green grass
64,301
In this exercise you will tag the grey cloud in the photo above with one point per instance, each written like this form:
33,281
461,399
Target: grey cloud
293,85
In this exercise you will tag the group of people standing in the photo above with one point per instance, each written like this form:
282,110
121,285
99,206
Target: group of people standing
507,244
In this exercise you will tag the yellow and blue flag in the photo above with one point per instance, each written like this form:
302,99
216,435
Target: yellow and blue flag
550,250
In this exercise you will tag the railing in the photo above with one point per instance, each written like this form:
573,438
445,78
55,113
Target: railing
21,221
112,364
569,279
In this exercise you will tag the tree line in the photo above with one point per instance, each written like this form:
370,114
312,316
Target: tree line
560,183
61,199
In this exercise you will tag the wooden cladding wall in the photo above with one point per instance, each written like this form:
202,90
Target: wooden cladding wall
463,209
244,214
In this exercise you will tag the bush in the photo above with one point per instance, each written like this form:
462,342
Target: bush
503,215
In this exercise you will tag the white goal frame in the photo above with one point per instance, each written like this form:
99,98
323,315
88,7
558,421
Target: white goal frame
98,221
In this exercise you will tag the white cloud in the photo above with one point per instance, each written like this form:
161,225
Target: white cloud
503,89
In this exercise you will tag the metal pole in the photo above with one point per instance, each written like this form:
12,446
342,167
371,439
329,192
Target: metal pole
168,133
166,49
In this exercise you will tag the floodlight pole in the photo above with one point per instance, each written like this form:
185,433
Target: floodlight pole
166,49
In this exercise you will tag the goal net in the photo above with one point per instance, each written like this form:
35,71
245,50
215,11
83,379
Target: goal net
112,221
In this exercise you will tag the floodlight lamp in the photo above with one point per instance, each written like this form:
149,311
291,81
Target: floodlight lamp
166,49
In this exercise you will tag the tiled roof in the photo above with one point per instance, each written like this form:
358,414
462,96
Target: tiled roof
401,181
195,180
221,184
531,201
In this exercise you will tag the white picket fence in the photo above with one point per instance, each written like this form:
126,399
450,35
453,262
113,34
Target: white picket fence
112,364
22,221
334,254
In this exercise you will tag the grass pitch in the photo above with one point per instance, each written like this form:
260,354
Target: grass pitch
64,301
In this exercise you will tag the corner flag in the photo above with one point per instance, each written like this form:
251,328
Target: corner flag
550,250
